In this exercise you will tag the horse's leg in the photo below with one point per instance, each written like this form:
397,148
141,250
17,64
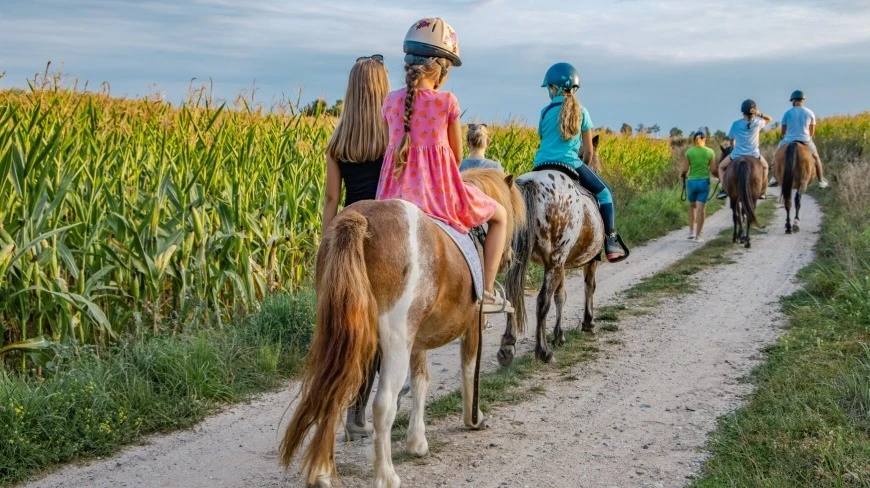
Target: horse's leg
748,225
392,330
589,312
797,212
468,356
356,424
417,444
508,342
735,217
560,296
787,204
545,296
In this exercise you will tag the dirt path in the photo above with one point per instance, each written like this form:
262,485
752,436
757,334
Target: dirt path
635,417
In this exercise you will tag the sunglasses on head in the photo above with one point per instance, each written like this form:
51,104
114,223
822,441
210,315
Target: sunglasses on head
377,57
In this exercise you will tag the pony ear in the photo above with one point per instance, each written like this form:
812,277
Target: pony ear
509,179
595,141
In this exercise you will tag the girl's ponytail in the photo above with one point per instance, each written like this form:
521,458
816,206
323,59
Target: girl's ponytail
569,116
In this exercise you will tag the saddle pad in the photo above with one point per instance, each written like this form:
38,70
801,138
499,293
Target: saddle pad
472,257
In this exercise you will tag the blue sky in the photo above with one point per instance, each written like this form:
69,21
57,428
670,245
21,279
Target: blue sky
666,62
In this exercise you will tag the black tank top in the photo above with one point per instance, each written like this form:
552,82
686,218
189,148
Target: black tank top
360,180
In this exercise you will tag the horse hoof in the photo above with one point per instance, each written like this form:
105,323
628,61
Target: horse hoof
796,228
320,483
788,230
420,451
356,432
748,245
546,357
506,356
559,340
588,327
481,422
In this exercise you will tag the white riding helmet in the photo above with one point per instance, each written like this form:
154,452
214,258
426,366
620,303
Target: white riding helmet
431,38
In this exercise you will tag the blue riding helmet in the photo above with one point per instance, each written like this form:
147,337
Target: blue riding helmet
563,76
797,95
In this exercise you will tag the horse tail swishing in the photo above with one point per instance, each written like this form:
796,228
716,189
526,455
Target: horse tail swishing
344,345
744,189
788,175
515,277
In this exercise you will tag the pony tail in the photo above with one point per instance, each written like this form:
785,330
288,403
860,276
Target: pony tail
569,116
412,78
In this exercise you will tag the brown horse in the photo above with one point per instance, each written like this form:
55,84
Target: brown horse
744,184
794,167
388,279
564,230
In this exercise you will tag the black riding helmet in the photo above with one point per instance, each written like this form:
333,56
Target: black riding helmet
797,95
748,106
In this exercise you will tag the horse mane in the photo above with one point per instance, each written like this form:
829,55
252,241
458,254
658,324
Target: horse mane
501,188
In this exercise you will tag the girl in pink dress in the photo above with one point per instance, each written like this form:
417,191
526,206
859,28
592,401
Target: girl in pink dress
421,164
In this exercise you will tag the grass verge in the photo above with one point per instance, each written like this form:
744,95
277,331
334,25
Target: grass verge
91,405
808,421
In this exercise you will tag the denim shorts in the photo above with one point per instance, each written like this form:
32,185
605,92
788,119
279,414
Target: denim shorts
698,190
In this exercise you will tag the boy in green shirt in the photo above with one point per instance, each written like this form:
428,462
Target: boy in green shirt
696,171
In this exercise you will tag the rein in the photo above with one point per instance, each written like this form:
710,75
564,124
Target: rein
475,396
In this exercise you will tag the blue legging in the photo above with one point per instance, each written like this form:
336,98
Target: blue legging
597,186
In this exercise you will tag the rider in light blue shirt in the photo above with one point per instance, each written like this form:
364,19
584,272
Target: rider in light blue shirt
565,130
744,135
553,147
799,125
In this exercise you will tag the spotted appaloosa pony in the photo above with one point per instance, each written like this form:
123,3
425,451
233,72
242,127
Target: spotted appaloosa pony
744,183
564,230
388,279
794,168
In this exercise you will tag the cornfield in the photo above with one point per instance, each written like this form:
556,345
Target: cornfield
132,216
836,136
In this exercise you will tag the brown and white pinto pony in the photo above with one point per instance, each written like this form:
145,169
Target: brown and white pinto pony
744,183
794,168
564,230
388,280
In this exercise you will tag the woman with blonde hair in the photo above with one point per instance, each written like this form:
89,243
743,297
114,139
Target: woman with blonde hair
355,152
477,138
354,156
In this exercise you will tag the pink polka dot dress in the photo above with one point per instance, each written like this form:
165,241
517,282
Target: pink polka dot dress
430,179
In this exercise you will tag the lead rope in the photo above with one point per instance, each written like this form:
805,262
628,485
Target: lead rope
475,397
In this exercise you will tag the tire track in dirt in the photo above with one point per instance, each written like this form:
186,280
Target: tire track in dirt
568,437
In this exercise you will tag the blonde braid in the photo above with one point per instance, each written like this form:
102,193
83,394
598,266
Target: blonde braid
413,73
569,116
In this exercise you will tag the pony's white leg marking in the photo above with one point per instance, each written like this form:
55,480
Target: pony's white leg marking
395,355
417,443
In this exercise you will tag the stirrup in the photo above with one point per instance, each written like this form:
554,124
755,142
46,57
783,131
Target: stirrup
624,248
500,303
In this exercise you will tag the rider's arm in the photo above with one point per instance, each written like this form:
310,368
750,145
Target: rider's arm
764,117
454,137
587,146
782,130
333,191
812,130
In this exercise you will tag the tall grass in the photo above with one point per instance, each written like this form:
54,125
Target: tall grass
94,404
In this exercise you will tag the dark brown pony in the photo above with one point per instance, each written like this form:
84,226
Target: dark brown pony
564,231
794,168
744,183
388,279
